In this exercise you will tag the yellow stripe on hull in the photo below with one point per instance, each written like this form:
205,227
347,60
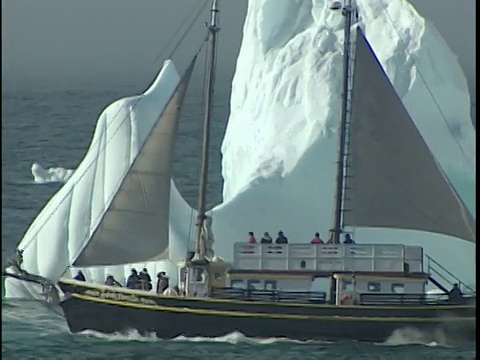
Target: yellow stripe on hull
271,316
263,303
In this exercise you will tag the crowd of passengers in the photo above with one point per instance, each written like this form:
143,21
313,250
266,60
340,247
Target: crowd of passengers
282,239
140,281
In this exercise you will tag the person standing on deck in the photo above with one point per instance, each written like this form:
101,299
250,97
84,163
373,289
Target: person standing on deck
266,239
162,282
317,239
455,295
80,276
169,290
110,281
348,239
251,238
132,280
145,279
281,239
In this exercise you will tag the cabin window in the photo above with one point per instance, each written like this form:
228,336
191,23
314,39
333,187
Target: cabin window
200,275
251,284
237,284
347,284
398,288
217,275
270,285
373,287
303,264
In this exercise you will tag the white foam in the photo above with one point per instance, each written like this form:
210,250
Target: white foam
280,144
233,338
400,337
130,335
412,336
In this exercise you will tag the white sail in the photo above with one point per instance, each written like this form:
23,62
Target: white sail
135,227
393,180
68,220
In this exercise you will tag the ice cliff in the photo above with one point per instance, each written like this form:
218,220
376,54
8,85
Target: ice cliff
280,144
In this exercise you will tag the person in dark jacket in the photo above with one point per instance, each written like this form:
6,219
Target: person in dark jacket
162,282
133,280
455,295
266,239
281,239
348,239
80,276
110,281
145,279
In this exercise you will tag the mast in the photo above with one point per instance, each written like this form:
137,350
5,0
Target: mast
208,103
348,12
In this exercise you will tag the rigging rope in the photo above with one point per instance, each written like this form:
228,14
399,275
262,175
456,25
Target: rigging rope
61,202
177,31
429,89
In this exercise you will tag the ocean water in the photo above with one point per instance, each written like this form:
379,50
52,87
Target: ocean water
54,128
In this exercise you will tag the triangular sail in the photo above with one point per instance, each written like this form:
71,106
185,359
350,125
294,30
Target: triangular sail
393,179
135,226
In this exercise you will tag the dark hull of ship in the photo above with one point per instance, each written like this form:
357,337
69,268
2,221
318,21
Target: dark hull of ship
109,310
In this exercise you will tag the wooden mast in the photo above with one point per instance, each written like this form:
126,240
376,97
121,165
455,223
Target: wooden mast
208,103
337,230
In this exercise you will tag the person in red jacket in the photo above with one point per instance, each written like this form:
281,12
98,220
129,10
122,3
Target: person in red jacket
317,239
251,238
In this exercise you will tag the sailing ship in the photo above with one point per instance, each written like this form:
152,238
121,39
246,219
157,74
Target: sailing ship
371,290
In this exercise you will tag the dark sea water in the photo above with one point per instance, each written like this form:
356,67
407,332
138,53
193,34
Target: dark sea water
54,128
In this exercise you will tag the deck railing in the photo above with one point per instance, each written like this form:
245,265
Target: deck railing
299,297
438,271
410,299
329,257
303,297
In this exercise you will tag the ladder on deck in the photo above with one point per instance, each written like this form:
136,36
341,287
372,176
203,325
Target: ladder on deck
437,271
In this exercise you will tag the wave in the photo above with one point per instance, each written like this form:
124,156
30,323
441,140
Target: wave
412,336
128,335
233,338
401,337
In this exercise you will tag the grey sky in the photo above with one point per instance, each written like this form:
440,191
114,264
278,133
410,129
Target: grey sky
455,20
69,43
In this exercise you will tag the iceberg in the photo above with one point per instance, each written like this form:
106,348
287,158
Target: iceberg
53,174
279,149
280,145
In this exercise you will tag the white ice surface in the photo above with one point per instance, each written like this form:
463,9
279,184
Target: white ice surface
53,174
280,145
